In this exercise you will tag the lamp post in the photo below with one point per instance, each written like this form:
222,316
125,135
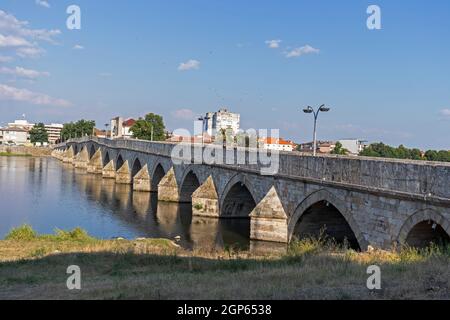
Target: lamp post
203,119
309,109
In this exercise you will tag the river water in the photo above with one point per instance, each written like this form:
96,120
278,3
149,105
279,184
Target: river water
48,194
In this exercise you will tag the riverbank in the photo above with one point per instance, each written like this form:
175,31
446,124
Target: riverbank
34,267
24,151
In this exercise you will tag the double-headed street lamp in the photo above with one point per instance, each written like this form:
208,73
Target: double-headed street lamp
203,119
309,109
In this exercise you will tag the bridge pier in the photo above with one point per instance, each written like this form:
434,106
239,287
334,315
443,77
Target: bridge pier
205,201
81,159
68,155
123,175
269,220
168,188
141,181
109,171
95,165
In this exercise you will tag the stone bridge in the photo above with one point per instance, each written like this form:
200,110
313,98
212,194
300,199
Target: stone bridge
365,201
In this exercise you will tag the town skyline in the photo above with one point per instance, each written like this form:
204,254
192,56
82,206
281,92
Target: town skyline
382,85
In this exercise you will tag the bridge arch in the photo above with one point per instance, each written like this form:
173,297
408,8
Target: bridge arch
137,166
238,199
156,176
92,151
189,183
106,159
75,149
119,162
320,209
424,227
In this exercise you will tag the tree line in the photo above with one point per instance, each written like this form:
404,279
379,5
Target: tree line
384,151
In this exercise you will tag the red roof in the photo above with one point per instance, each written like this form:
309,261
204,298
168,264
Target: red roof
129,122
280,141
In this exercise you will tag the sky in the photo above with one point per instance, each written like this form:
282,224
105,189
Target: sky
266,60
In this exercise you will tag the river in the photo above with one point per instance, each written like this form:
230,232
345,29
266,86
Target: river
48,194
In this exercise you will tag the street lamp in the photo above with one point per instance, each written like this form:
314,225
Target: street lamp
309,109
203,119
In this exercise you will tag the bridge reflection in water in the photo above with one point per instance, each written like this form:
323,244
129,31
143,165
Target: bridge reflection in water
150,218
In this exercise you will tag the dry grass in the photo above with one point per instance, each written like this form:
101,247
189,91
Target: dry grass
35,268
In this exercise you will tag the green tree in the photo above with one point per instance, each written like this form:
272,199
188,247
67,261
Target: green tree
151,125
338,149
38,134
78,129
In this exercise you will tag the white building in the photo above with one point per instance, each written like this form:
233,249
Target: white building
54,132
22,124
354,146
277,144
14,136
222,119
121,128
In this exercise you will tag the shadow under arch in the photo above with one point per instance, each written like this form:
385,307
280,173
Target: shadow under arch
137,166
424,227
91,151
156,176
189,183
237,199
119,162
325,200
106,159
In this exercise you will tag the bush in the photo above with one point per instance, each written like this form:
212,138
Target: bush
22,233
76,234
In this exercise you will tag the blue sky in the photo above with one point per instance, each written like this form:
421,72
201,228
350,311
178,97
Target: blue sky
390,85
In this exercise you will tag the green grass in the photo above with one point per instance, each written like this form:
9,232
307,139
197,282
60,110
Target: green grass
33,266
10,154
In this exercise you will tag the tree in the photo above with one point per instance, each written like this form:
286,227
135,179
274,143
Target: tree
338,149
152,126
78,129
38,134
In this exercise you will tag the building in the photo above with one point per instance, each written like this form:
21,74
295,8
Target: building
323,147
54,132
21,124
15,136
278,144
354,146
121,128
222,119
102,133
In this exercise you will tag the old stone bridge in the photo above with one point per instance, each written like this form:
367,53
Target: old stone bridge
367,201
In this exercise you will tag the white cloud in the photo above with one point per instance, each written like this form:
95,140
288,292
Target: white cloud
24,95
445,113
4,59
43,3
189,65
185,114
78,47
297,52
23,73
17,35
273,44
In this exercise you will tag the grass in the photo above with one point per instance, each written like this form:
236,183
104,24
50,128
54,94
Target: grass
33,266
10,154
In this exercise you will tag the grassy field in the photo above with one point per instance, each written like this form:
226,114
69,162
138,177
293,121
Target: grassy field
34,267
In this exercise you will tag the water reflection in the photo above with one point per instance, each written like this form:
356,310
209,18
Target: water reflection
49,194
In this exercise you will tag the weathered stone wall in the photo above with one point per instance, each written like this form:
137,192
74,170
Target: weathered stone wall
34,151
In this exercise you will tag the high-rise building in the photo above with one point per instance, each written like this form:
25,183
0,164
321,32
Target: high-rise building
222,119
54,132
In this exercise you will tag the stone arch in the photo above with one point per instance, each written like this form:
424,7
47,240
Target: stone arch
238,199
326,196
75,149
119,162
189,183
156,176
421,219
106,159
92,151
136,167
